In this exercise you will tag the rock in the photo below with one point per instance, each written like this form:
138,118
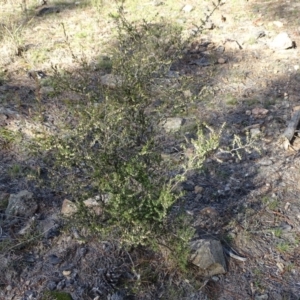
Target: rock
66,272
111,81
232,45
187,94
68,208
259,34
51,285
278,24
173,124
209,25
281,41
209,212
198,189
187,8
255,132
49,227
208,255
221,60
22,204
265,162
27,228
54,260
3,118
259,111
94,205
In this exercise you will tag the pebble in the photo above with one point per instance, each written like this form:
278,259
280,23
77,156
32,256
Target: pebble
51,285
221,60
255,132
187,8
66,272
9,288
265,162
198,189
53,259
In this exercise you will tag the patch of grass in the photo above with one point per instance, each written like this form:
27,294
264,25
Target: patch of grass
277,232
231,100
8,138
283,247
56,295
15,171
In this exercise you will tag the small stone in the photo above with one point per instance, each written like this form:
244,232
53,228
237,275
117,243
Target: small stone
248,112
51,285
259,111
287,206
221,60
209,211
53,259
208,255
66,272
265,162
94,205
187,8
22,204
68,208
198,189
111,81
27,282
187,94
278,24
9,288
173,124
296,67
255,132
281,41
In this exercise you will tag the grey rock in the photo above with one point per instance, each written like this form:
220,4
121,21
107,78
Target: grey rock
208,255
255,132
265,162
111,81
22,204
173,124
281,41
259,34
53,259
51,285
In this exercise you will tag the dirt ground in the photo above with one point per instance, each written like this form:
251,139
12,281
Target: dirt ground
236,78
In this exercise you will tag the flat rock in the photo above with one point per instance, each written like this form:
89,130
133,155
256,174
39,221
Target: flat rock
281,41
187,8
173,124
207,254
68,208
111,81
22,204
